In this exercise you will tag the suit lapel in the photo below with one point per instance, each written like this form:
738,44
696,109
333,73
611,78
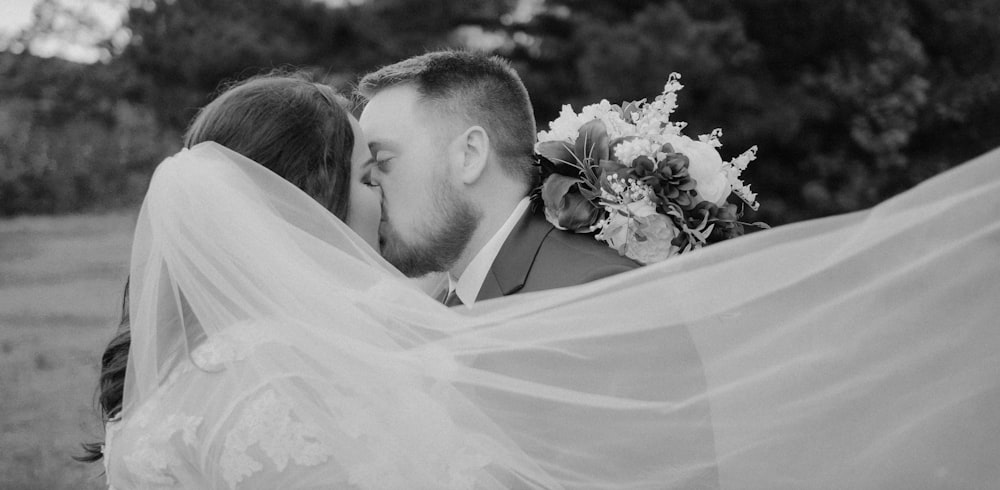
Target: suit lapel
510,269
491,287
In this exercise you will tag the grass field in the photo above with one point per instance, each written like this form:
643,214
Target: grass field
61,281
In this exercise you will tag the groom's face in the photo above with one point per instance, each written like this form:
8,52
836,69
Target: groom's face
426,220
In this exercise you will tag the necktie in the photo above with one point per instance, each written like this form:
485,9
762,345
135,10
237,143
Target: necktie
452,299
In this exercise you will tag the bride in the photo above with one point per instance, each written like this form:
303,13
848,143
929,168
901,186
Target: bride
271,347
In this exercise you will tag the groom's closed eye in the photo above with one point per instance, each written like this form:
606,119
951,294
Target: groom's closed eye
382,163
381,155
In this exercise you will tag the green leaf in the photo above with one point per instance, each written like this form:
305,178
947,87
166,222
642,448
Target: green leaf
593,141
560,153
590,194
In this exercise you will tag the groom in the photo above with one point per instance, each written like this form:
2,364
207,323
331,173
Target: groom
451,135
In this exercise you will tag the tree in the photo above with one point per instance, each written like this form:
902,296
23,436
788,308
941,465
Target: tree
850,102
183,49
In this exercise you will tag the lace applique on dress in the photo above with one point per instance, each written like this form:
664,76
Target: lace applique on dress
267,422
232,344
152,457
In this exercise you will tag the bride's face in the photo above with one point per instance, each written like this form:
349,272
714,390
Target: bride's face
364,212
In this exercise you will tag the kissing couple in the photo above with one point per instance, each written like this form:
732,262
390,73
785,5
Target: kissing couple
274,335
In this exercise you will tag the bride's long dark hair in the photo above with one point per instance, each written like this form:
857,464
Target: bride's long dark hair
298,129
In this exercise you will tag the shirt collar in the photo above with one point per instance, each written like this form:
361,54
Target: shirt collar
471,281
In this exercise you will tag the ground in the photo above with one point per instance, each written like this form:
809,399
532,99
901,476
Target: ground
61,281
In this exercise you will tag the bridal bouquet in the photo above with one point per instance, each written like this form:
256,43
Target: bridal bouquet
627,174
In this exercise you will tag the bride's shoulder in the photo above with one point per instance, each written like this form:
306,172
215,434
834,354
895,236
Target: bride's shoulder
204,404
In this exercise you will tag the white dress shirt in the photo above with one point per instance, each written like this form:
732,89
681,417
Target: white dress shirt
471,281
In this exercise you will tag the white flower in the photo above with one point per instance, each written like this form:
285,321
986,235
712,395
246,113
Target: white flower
645,239
627,151
712,138
566,127
672,84
613,122
734,169
614,231
658,232
629,196
630,210
640,208
706,168
653,119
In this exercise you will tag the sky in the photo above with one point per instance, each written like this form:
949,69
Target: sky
17,14
14,14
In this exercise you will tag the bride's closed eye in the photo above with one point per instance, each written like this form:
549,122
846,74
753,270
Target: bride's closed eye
366,179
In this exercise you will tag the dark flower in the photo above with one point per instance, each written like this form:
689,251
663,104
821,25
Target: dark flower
668,178
566,207
572,174
724,218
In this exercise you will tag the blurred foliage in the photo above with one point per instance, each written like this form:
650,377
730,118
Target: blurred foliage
70,140
850,102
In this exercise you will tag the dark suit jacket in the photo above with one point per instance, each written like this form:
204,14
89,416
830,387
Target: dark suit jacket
537,256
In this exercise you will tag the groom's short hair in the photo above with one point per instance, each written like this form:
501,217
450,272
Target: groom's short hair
477,87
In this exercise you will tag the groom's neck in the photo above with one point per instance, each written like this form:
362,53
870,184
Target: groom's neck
496,211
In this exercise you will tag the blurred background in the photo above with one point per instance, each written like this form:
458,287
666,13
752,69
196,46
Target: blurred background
850,103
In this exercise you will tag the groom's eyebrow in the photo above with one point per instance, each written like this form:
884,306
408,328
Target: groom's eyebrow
377,145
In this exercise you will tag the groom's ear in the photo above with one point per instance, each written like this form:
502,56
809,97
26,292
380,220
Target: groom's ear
473,147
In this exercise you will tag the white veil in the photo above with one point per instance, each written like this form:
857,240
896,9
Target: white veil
859,351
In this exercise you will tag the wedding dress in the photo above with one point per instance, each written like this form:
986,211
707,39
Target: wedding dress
272,349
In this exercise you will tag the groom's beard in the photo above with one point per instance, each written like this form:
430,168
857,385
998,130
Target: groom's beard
441,242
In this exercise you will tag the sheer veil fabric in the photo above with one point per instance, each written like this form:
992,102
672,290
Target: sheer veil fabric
272,349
